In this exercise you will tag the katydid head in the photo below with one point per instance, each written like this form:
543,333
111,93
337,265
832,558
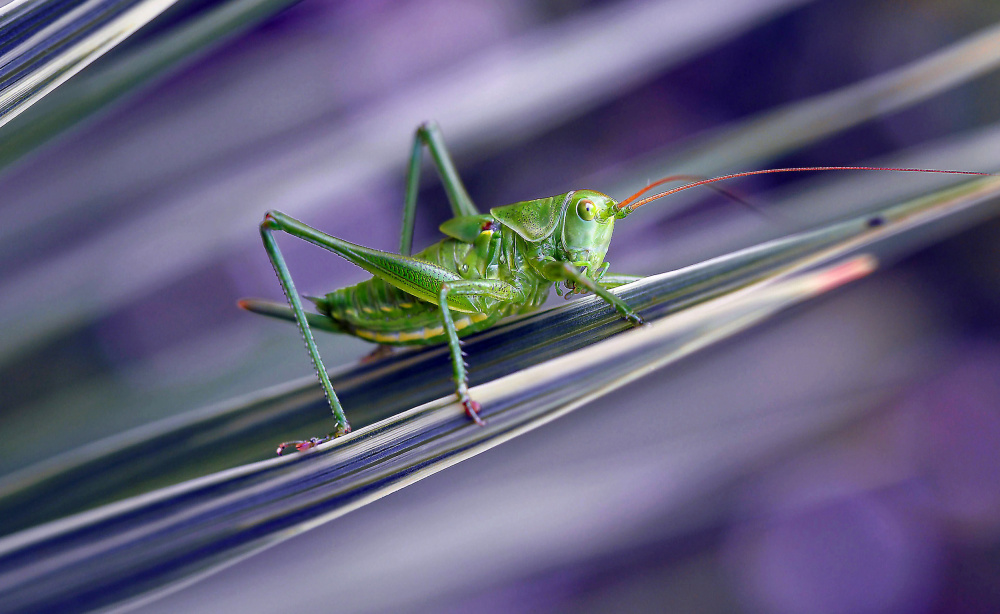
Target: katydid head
588,219
577,225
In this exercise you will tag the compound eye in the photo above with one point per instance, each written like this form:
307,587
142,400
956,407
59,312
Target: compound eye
586,209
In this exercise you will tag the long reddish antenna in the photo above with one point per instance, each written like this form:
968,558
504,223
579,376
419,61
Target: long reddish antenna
689,178
659,182
632,206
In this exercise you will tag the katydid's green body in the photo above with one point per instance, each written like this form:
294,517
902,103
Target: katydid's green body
490,266
379,311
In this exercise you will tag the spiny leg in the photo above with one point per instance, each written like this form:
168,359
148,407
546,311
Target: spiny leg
573,274
429,134
495,289
420,278
267,227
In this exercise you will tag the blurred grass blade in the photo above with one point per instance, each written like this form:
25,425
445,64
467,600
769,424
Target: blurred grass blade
150,59
46,43
246,430
752,143
338,157
328,157
149,543
202,524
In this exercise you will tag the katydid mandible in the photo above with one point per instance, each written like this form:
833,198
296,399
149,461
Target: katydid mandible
490,266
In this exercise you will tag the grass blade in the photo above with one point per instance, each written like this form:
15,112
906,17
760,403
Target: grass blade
152,542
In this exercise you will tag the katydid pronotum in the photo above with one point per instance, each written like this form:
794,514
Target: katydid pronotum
490,266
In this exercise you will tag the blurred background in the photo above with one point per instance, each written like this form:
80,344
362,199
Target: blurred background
843,459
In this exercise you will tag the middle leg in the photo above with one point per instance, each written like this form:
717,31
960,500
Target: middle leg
493,293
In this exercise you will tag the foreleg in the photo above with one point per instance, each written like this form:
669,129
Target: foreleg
613,280
579,279
605,281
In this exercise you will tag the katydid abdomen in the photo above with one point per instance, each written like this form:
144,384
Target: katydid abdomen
378,311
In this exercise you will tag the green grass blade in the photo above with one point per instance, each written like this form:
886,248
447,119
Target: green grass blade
152,542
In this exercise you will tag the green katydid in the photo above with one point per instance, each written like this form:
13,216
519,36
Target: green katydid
489,267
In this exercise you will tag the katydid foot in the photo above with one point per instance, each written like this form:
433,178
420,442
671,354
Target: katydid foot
308,444
303,445
635,319
472,410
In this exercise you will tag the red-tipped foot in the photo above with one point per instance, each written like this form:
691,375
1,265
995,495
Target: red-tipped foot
472,410
302,446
